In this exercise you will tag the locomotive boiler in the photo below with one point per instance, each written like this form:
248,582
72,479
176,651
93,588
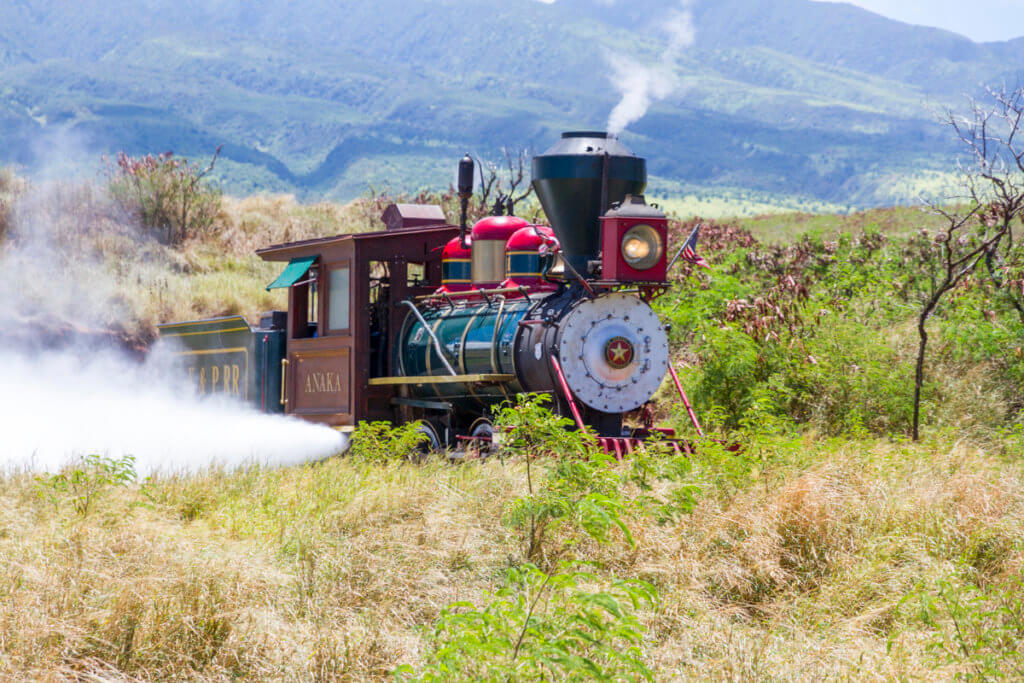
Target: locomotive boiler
442,324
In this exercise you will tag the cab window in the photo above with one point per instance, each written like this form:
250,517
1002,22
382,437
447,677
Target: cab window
338,309
303,306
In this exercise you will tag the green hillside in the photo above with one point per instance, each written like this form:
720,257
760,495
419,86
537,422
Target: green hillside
322,98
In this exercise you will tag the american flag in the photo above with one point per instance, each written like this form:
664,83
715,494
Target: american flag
689,250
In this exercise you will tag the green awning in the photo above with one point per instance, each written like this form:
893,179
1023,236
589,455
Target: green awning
292,273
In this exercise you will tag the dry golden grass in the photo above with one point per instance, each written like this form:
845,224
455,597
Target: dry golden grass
332,571
252,223
220,274
801,578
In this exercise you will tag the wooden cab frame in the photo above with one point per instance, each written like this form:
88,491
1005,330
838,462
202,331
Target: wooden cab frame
329,364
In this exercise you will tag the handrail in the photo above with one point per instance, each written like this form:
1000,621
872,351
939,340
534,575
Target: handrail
433,337
472,292
494,339
284,371
479,378
686,401
568,393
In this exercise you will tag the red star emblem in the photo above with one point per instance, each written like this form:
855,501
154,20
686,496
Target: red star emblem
618,352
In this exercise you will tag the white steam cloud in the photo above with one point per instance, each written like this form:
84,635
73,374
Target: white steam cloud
48,270
59,406
62,398
643,84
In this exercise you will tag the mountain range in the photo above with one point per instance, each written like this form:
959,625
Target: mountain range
790,98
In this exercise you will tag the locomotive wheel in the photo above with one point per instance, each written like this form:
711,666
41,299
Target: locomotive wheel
431,444
482,432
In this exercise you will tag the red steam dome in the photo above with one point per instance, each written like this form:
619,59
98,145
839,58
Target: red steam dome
497,227
456,273
525,252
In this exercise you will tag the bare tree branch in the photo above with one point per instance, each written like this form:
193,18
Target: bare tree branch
994,196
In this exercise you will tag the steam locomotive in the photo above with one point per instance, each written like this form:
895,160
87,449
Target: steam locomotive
439,323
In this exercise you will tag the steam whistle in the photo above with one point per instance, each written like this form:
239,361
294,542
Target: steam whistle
466,170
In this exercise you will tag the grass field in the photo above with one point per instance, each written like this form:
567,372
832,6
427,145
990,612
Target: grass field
782,227
829,547
338,570
731,204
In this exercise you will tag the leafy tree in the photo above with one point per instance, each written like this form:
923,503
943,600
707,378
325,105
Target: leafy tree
577,485
580,488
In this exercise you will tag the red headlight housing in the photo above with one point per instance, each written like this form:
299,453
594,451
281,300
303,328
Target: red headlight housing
634,242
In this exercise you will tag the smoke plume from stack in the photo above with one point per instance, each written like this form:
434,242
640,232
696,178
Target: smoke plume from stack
643,84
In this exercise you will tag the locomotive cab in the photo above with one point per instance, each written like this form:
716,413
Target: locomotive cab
350,294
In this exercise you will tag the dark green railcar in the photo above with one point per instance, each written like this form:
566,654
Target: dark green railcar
227,357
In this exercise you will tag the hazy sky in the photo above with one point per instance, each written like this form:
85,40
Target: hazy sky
979,20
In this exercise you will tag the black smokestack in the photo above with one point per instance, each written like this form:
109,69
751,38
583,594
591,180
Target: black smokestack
577,180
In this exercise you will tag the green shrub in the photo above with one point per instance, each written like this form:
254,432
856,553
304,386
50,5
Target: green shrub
838,377
85,482
381,442
809,331
979,629
542,627
657,463
171,197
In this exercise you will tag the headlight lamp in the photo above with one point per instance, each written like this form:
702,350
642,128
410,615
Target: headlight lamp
641,247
